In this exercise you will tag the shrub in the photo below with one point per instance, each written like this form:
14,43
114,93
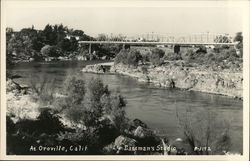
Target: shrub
89,104
172,56
108,50
144,69
74,88
145,54
25,132
114,107
128,57
51,51
188,54
43,87
99,110
121,57
201,50
156,55
203,129
133,58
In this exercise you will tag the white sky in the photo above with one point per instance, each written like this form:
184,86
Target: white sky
131,20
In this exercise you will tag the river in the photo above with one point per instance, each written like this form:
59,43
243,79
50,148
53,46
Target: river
157,107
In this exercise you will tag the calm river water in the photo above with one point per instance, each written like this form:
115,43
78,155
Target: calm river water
156,107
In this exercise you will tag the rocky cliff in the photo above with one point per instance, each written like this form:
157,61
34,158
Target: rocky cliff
190,78
174,75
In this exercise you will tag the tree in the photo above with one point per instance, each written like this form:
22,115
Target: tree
50,51
50,36
102,37
222,39
38,42
9,32
73,44
77,33
29,42
65,45
89,103
238,37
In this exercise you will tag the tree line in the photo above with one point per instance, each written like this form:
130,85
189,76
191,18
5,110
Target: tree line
57,40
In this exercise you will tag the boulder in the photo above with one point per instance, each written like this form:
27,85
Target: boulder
121,141
141,132
137,122
12,86
109,149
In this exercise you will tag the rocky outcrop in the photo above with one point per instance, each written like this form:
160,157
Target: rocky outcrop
141,132
190,78
98,68
134,141
19,103
119,145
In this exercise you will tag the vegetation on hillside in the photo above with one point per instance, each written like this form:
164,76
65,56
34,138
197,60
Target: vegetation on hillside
218,58
85,113
28,42
54,41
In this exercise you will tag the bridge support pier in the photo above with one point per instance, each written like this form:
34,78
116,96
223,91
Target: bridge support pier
89,48
124,46
177,49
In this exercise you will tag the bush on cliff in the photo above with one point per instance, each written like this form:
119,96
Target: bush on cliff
128,57
121,57
172,56
156,55
225,58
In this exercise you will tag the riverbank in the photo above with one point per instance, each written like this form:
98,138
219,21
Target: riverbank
160,108
25,115
173,75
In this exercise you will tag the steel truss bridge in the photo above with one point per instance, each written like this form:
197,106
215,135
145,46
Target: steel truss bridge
163,40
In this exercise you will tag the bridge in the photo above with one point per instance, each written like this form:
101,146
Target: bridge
157,39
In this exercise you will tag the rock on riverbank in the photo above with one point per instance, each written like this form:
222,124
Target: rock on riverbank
98,68
190,78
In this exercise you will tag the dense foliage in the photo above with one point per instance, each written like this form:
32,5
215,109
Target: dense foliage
156,55
128,57
96,114
28,42
226,58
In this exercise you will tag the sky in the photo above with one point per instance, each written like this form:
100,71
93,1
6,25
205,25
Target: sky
127,19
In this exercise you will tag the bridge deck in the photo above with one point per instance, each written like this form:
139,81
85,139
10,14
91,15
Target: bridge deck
154,43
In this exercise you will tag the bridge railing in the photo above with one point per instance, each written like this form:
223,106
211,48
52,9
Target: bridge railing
171,38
